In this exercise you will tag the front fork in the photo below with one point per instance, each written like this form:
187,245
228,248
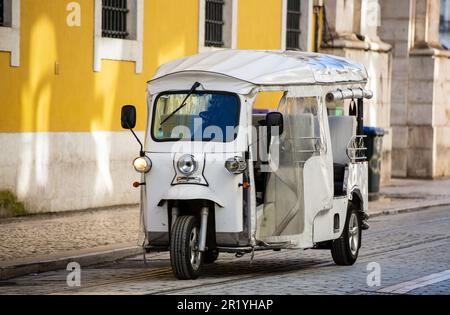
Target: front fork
204,213
203,229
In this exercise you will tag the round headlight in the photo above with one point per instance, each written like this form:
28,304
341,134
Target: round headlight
236,165
142,164
187,165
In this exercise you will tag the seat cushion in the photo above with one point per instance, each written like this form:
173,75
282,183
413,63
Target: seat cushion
342,130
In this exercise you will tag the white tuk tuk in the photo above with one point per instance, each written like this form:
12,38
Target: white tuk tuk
219,176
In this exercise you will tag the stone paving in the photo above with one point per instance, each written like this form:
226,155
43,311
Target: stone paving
39,236
411,193
44,235
442,288
406,247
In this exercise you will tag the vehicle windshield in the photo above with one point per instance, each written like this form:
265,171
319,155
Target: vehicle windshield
207,116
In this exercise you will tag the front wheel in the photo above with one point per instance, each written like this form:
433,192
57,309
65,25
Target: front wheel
345,250
185,257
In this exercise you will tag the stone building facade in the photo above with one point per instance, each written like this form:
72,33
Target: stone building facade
420,102
404,45
63,82
351,30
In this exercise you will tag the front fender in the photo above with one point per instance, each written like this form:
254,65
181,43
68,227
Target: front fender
191,192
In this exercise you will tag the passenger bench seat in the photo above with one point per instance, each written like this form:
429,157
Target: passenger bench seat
342,130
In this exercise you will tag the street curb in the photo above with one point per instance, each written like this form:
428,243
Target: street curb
89,259
415,208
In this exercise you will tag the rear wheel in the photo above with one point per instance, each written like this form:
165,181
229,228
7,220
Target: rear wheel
185,258
345,250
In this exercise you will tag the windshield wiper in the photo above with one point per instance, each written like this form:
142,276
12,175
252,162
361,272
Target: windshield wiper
183,104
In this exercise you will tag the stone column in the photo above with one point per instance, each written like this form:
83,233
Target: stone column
353,26
420,94
425,19
395,30
428,95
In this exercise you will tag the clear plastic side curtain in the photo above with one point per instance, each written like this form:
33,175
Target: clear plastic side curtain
304,144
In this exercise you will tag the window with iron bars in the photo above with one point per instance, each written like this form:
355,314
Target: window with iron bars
214,23
293,25
444,24
1,13
114,19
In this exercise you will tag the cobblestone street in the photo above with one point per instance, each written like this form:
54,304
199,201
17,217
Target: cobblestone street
412,250
58,233
36,237
225,150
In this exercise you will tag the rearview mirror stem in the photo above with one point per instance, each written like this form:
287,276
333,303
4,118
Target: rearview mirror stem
142,153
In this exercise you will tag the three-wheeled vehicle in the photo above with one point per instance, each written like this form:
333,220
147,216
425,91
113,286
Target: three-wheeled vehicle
220,176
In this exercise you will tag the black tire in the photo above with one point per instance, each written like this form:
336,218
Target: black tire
184,266
344,251
210,257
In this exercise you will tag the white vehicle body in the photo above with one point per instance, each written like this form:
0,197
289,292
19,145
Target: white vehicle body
300,208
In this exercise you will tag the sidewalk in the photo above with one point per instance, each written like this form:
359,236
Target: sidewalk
48,242
404,195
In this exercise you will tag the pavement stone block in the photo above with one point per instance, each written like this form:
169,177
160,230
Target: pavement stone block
65,236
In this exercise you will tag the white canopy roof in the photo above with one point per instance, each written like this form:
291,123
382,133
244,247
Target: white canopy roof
258,68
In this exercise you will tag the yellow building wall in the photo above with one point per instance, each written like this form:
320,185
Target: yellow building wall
259,24
34,98
37,99
71,166
259,27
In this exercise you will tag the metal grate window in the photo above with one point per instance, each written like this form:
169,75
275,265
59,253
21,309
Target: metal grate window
293,25
214,23
444,25
1,14
114,19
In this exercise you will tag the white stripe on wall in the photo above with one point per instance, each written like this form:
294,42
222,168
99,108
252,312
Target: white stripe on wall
52,172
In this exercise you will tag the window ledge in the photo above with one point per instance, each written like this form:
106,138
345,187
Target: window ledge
10,42
203,49
351,41
10,36
118,49
430,51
